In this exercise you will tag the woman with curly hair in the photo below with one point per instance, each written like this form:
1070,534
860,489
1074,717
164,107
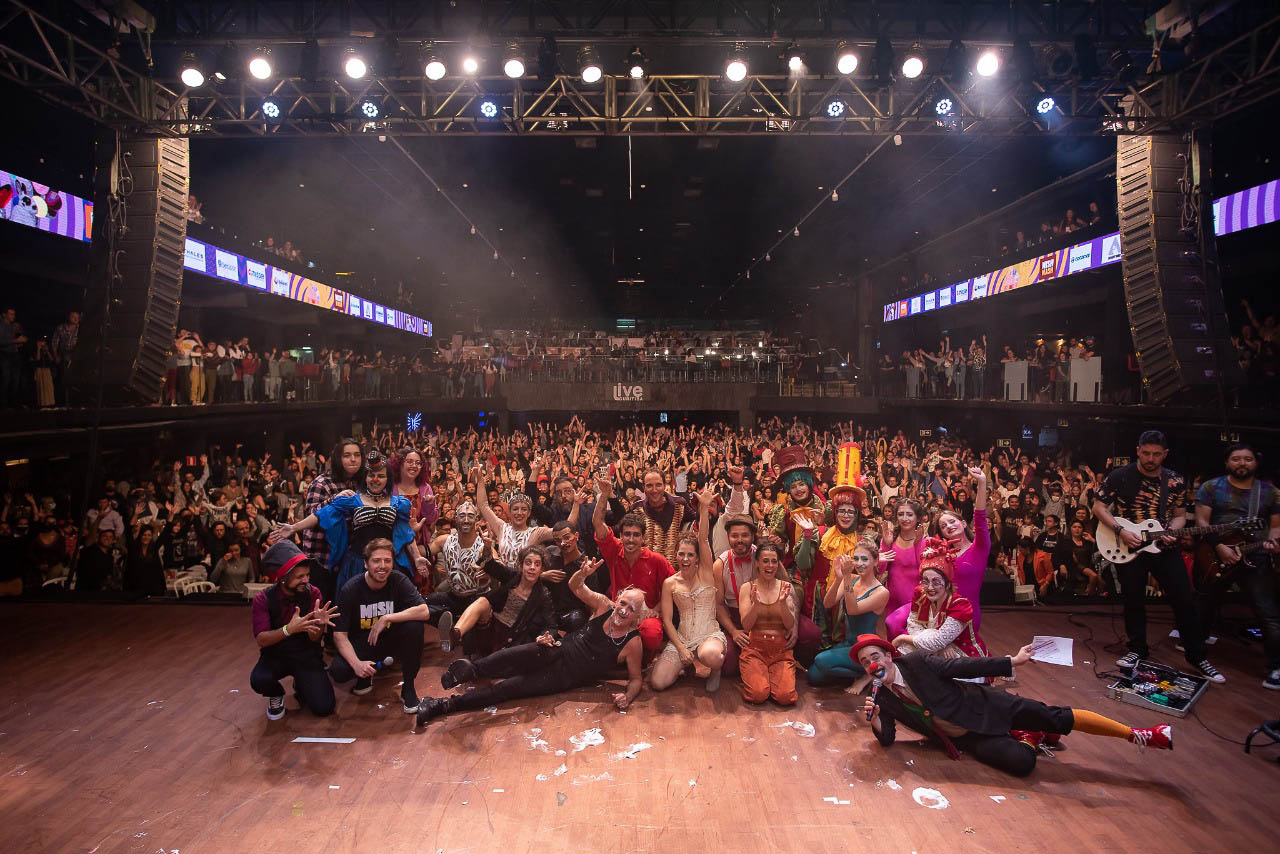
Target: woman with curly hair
941,622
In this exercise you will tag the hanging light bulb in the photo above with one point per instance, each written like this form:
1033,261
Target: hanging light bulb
473,229
495,254
835,195
795,232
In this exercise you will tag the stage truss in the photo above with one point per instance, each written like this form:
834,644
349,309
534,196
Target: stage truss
69,70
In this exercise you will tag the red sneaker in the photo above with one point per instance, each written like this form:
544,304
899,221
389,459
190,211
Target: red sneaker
1159,737
1052,739
1028,737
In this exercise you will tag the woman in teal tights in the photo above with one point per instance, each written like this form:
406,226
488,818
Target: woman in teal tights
864,600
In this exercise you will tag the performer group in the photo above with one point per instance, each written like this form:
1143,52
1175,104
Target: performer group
695,587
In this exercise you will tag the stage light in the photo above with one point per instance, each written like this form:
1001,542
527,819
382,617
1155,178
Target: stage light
354,65
944,107
846,59
735,69
260,64
513,63
913,65
637,64
432,65
589,65
795,58
370,108
192,75
489,109
988,63
470,64
271,108
1057,61
835,108
1045,104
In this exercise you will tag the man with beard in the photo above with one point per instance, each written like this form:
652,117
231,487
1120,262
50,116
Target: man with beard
558,509
632,564
344,472
1144,490
1237,495
566,558
735,566
665,516
288,623
461,554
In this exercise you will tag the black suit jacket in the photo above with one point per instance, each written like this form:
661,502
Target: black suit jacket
966,704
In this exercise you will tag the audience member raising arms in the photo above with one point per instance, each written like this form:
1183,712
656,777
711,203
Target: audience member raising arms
512,537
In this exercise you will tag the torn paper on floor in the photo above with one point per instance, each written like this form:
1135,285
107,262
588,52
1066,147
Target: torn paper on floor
931,798
586,738
630,752
800,727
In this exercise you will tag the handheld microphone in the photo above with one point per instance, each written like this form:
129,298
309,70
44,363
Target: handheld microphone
875,689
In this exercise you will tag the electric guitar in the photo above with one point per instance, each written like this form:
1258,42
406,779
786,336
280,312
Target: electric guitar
1209,569
1149,532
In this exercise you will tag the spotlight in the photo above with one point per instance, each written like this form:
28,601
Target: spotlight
835,108
470,64
1045,104
354,65
432,65
370,108
260,64
513,64
988,63
944,107
489,109
795,58
736,67
1057,61
846,59
192,75
271,109
589,65
227,63
637,64
913,65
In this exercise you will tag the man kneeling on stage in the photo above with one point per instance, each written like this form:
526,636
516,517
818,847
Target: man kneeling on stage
380,613
1001,730
608,638
288,622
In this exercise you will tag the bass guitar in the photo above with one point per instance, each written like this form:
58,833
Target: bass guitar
1113,549
1209,569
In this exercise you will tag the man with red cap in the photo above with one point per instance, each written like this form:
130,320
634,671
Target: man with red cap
1002,730
288,623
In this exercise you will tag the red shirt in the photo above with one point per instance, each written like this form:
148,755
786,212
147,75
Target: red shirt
646,574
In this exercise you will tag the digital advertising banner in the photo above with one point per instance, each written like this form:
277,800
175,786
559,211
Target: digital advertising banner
25,202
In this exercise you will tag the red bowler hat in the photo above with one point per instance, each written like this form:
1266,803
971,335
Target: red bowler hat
870,640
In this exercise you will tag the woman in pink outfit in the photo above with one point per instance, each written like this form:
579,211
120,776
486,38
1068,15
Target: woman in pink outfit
900,562
972,544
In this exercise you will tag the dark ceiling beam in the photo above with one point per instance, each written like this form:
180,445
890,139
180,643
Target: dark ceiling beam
1115,22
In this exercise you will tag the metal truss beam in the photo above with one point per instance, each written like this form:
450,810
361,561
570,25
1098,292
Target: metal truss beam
69,70
605,21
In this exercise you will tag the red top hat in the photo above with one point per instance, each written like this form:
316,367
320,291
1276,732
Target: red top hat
791,458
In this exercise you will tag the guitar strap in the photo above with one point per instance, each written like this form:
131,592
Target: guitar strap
1255,499
1162,505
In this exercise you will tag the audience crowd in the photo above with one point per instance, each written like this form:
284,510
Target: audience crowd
211,513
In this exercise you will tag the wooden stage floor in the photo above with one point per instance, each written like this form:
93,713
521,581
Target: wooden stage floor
133,728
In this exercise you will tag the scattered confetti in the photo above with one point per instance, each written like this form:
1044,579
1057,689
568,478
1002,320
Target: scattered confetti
584,779
800,727
748,739
795,758
911,762
893,784
556,773
997,798
970,830
493,710
630,752
836,801
693,783
536,741
335,787
561,753
234,691
499,791
307,739
931,798
586,738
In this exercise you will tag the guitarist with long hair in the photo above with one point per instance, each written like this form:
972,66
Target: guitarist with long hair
1246,558
1144,490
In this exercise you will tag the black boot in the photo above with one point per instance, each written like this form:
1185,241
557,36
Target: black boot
431,707
460,670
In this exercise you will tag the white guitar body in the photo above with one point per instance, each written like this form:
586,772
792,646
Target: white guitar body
1115,551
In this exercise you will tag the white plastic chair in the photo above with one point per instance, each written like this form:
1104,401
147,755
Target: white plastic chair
56,582
187,587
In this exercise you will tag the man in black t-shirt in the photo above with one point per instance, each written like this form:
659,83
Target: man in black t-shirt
380,614
1143,490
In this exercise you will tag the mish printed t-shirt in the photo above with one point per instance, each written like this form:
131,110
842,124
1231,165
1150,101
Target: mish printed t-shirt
359,605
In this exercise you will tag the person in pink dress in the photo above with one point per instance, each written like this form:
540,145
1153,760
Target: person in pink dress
972,544
900,562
